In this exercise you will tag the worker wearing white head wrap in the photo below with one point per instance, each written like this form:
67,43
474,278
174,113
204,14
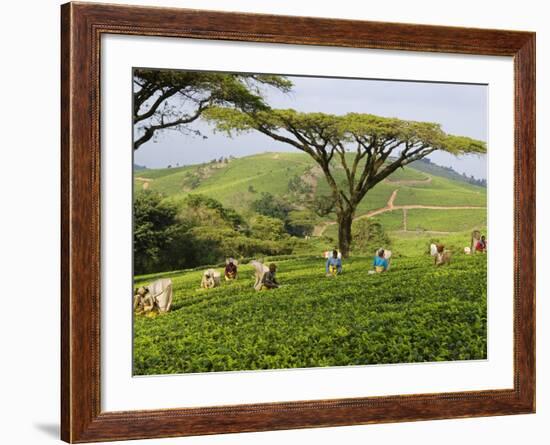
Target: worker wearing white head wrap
155,296
210,279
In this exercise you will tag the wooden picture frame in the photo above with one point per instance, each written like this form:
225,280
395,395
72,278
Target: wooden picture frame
82,26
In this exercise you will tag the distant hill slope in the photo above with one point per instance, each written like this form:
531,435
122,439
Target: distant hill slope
426,166
238,182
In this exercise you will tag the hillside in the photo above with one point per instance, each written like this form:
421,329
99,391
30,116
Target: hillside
235,184
410,200
426,166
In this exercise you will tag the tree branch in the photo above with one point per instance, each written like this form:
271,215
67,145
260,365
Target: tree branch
150,131
139,117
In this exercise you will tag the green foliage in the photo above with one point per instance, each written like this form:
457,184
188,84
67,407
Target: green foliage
153,230
369,235
413,313
297,223
211,245
267,228
269,205
178,253
230,216
202,232
300,223
344,128
217,232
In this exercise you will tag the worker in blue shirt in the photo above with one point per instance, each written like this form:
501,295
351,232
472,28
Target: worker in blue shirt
334,264
380,263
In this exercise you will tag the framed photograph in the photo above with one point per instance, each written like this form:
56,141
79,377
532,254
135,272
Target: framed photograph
274,222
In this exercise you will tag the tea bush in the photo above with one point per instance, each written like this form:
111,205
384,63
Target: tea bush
413,313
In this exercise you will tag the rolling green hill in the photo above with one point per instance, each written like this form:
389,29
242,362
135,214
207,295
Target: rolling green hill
410,204
238,182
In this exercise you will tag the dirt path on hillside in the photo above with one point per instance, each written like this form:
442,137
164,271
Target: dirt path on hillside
427,180
145,181
389,207
390,202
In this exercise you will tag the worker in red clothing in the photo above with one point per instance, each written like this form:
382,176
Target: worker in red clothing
481,245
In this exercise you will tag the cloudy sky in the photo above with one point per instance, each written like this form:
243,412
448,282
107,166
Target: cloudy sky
460,108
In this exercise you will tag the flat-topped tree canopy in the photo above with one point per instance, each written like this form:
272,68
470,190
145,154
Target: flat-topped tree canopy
360,144
169,99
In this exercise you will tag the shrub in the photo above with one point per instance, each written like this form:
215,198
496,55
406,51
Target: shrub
269,205
154,222
300,223
368,236
413,313
267,228
210,245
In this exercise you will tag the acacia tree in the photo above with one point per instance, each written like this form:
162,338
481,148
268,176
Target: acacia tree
167,99
357,145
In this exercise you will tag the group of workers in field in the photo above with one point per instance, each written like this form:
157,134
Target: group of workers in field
157,296
380,263
265,275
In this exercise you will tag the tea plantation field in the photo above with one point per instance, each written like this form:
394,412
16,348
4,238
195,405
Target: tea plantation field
413,313
238,183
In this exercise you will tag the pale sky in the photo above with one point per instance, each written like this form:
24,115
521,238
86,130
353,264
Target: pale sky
461,109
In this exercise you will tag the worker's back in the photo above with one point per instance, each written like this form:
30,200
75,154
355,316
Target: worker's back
161,291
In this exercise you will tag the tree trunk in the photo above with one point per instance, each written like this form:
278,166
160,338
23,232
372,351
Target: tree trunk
344,232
